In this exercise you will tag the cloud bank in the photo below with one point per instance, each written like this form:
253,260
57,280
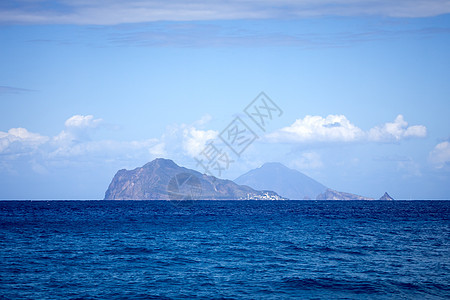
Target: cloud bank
78,144
75,144
74,141
98,12
337,128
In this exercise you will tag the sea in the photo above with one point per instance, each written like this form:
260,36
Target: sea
225,250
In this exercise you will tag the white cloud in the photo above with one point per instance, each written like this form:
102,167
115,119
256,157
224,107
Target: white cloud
20,139
440,155
205,119
188,139
38,168
333,128
78,128
337,128
75,141
158,150
105,150
195,140
116,12
73,144
80,121
25,136
396,131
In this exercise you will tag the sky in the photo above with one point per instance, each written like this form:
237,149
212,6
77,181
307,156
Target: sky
355,94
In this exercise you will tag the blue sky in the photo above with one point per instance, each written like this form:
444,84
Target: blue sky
88,88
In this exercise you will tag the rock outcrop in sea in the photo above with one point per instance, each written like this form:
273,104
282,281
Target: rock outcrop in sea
386,197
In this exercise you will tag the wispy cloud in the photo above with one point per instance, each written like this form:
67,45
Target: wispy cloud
254,34
337,128
440,155
117,12
13,90
308,161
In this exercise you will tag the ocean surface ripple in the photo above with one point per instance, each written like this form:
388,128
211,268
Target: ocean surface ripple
224,249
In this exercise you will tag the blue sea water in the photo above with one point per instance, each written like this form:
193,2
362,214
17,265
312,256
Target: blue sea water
224,249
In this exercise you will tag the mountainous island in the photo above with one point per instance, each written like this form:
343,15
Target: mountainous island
292,184
163,179
288,182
